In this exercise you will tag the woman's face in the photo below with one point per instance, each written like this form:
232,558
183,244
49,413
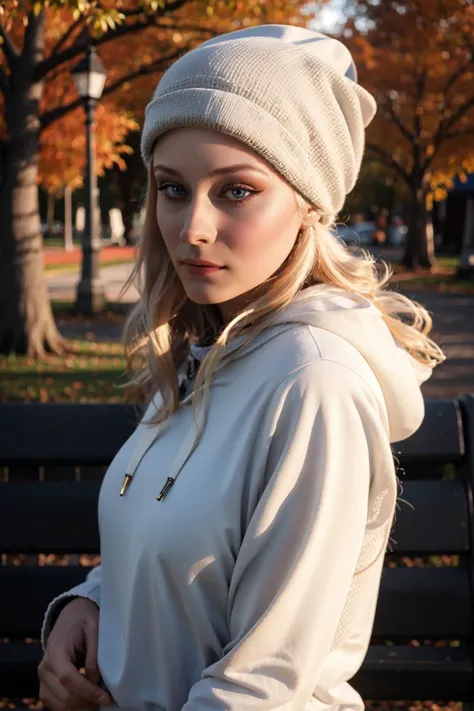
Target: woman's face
220,202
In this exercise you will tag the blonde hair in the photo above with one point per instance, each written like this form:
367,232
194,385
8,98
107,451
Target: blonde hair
164,322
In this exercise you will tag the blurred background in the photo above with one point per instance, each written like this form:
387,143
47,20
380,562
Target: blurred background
74,80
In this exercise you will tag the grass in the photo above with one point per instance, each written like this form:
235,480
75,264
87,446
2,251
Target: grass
441,278
59,242
51,269
93,373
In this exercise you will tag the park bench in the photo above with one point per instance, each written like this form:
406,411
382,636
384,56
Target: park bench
52,457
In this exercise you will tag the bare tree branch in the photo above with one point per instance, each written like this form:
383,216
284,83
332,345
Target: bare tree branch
160,64
387,159
459,134
9,48
4,83
75,25
409,135
420,88
445,125
50,116
120,31
461,111
452,80
33,43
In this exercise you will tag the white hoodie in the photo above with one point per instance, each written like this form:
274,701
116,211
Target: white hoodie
252,586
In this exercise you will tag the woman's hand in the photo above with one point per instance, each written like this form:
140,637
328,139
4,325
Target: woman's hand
72,640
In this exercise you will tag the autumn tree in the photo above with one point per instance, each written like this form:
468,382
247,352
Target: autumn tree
40,40
417,58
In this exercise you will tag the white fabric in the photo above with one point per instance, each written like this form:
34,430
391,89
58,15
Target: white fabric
253,585
287,92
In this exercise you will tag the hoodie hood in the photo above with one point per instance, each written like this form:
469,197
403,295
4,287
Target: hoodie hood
354,318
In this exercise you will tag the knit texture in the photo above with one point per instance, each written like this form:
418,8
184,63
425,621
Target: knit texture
287,92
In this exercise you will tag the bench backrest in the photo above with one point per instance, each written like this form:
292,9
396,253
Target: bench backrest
52,459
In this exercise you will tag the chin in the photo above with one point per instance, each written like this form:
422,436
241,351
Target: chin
205,295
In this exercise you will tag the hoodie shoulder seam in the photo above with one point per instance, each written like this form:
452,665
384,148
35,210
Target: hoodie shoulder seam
313,361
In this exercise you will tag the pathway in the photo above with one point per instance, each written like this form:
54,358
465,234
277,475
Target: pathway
453,316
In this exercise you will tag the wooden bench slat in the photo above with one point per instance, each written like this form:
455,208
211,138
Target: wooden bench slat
418,603
442,416
411,673
55,517
26,591
388,673
424,603
431,517
60,433
62,518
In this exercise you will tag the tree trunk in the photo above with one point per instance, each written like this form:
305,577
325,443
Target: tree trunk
26,321
50,215
419,249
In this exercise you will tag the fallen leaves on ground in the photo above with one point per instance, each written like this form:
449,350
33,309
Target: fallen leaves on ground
94,372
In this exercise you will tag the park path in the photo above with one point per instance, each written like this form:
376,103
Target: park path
453,317
63,286
453,330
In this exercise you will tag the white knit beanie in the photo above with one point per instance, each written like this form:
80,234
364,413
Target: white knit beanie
289,93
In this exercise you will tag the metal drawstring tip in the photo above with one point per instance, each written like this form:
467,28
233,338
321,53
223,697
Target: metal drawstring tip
165,489
125,485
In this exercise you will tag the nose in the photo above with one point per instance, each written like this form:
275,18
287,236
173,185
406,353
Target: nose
199,223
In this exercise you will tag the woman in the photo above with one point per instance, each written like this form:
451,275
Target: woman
243,524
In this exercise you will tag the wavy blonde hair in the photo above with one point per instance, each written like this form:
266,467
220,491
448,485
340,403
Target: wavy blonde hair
164,322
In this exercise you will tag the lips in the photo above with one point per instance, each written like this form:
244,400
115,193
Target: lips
201,270
202,264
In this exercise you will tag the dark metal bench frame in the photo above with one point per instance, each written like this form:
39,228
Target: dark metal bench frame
52,458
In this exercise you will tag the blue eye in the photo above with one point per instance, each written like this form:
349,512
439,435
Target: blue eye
242,189
163,187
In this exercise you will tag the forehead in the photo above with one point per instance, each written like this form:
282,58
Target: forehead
193,145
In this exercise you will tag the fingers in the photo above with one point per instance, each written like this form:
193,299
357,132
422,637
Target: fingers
91,666
55,697
66,682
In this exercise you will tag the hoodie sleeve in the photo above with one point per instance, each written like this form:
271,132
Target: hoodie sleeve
90,589
295,567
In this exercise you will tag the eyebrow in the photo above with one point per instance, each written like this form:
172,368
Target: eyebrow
218,171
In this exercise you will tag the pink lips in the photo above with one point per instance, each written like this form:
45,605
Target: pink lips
204,270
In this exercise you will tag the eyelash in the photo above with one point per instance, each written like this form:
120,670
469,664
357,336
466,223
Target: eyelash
162,187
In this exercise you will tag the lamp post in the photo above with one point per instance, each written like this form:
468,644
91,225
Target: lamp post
89,77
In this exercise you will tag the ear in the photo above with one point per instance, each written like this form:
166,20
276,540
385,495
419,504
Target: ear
311,218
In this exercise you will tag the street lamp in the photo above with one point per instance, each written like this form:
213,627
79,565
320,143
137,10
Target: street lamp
89,77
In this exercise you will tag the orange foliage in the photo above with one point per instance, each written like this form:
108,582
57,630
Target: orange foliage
63,147
416,57
143,53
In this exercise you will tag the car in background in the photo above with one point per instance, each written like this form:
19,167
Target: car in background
362,234
397,233
359,235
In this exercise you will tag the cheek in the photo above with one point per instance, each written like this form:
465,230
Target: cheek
169,228
268,230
